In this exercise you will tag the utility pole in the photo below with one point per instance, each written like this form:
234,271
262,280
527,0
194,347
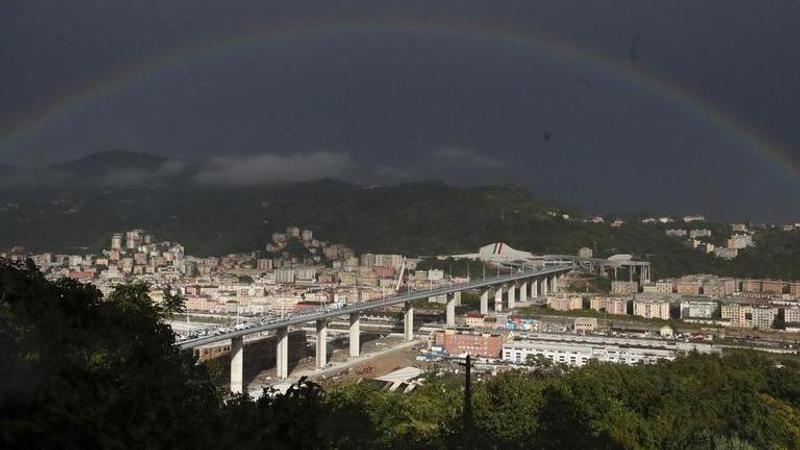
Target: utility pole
467,415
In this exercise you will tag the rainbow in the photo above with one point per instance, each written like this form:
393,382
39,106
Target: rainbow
628,72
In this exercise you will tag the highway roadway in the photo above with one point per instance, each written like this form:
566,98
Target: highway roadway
403,297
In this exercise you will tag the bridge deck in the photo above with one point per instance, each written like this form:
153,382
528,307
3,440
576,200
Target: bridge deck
402,297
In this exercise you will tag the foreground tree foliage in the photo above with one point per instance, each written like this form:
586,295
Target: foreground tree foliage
79,371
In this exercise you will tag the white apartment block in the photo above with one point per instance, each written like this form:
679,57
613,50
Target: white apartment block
791,314
371,259
740,241
749,316
699,232
698,309
675,233
579,354
284,276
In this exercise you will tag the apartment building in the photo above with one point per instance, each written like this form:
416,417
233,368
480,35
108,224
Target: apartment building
751,286
700,232
760,316
565,302
694,218
624,287
678,233
740,241
791,315
688,286
284,276
726,253
651,308
612,305
371,259
773,286
698,309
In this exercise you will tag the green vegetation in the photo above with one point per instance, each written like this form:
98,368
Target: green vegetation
547,311
83,372
296,249
416,219
695,402
589,284
245,279
424,304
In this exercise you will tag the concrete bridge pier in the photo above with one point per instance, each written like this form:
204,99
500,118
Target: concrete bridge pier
534,288
485,302
322,343
545,289
555,283
408,322
450,310
512,296
523,292
498,299
355,335
282,354
237,365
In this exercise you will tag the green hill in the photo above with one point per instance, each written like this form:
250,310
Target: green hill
416,219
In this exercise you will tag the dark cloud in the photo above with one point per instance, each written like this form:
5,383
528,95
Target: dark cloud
136,177
385,105
123,177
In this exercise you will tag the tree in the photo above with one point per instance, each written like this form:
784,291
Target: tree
84,372
80,371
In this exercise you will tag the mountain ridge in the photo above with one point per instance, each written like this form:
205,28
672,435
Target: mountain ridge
422,218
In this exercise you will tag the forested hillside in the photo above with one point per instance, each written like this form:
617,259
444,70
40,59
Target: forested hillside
79,213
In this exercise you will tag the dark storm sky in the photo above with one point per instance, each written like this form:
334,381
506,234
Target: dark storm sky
388,104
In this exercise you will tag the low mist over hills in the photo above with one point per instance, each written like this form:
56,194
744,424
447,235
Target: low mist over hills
112,168
80,203
74,207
